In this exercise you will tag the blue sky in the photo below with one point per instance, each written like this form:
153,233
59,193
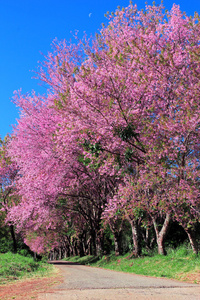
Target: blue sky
27,29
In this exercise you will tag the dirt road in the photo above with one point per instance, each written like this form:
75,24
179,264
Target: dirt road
83,282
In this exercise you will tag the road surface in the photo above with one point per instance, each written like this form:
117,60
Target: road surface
84,282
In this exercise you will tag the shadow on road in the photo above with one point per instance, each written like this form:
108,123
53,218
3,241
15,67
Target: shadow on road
87,261
60,262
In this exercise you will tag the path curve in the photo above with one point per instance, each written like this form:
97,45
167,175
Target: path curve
84,282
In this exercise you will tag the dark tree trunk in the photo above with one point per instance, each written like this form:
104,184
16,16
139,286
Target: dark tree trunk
90,251
81,249
53,254
192,239
74,247
148,239
160,235
93,242
13,238
97,242
81,243
116,228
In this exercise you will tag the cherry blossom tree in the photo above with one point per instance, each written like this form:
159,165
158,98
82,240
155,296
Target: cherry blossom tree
123,103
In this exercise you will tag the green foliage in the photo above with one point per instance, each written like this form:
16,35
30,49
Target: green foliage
6,243
128,154
126,133
84,160
94,149
16,266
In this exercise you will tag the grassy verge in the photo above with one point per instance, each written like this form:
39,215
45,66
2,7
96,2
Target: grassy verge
16,266
179,264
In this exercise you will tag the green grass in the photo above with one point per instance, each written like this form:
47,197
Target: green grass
178,264
16,266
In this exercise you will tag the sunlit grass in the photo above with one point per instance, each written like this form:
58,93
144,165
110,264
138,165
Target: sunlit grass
16,266
176,265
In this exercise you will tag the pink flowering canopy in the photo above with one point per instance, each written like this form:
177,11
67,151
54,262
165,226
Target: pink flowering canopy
122,109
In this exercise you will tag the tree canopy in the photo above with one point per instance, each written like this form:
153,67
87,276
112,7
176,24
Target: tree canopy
116,137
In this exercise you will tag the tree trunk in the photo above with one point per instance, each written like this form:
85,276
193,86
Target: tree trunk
74,248
81,248
90,247
136,238
192,239
148,239
117,244
13,238
161,245
117,234
64,252
60,253
160,235
99,248
93,242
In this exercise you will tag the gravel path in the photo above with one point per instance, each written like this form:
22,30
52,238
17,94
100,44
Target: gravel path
83,282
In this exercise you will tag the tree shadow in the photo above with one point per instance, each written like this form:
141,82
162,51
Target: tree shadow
88,260
60,262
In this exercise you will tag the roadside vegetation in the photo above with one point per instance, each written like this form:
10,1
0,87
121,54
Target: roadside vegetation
180,264
15,266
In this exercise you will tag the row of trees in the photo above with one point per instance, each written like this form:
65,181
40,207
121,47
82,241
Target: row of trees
114,141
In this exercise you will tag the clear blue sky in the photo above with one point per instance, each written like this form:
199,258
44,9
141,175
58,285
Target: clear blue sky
27,29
